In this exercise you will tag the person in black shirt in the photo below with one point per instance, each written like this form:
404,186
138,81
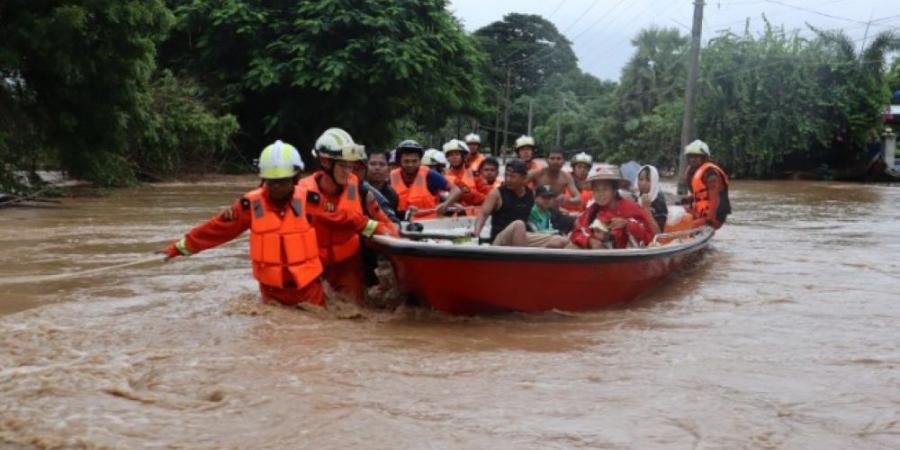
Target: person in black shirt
509,206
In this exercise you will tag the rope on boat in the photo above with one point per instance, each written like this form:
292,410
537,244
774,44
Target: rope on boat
83,273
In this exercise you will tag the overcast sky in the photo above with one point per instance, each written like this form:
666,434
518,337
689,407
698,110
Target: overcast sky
601,29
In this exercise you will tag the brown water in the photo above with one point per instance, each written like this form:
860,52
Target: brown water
785,335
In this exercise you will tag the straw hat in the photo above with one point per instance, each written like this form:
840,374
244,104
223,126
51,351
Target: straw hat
608,172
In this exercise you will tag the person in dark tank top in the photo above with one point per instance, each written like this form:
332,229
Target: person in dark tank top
509,206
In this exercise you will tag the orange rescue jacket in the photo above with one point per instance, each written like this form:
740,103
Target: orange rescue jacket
702,204
586,196
474,162
416,194
336,244
282,243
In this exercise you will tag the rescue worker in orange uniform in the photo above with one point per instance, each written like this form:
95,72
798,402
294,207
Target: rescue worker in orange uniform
459,174
417,186
334,189
473,163
487,176
435,160
708,185
284,252
581,166
525,152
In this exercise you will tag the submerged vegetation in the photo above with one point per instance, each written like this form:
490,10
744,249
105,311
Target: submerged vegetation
121,91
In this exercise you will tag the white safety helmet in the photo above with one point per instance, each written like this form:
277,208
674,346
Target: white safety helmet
336,143
582,158
434,157
697,147
473,138
524,141
456,145
279,160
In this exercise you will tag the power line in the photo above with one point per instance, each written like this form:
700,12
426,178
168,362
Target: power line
812,11
556,10
551,49
615,46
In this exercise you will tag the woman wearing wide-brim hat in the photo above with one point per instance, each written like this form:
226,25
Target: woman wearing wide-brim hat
619,217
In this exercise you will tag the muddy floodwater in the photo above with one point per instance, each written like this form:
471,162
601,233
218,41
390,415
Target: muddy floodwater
786,334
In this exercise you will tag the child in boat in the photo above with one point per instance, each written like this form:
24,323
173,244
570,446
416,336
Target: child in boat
651,199
540,219
626,221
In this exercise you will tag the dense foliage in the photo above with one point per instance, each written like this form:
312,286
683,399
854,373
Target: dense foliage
78,87
767,103
292,69
124,90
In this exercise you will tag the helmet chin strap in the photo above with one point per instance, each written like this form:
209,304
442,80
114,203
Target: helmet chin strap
329,170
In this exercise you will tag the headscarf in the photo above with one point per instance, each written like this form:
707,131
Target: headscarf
654,181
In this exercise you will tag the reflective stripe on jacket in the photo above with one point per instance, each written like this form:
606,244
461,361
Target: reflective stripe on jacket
282,243
336,244
416,194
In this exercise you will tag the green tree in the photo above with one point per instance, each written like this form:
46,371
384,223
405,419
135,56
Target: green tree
291,69
579,103
655,73
893,78
648,101
524,51
181,134
859,82
83,68
530,47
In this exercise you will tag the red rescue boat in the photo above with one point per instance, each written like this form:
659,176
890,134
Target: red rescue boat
456,275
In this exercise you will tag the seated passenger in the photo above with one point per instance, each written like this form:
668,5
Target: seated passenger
651,199
509,207
625,220
458,174
418,186
435,160
581,166
542,219
487,176
708,185
553,176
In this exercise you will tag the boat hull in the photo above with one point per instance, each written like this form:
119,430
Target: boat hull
483,279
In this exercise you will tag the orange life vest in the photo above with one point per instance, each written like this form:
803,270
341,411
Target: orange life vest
586,196
474,162
701,205
335,244
282,243
462,176
485,188
416,194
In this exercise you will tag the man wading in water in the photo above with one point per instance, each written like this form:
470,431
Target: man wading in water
283,247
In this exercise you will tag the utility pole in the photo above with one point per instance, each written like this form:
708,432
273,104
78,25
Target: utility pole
865,37
530,107
506,111
690,95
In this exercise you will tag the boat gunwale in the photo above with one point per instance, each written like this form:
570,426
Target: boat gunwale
404,247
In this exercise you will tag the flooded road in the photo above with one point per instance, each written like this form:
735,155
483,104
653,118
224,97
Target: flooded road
785,335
